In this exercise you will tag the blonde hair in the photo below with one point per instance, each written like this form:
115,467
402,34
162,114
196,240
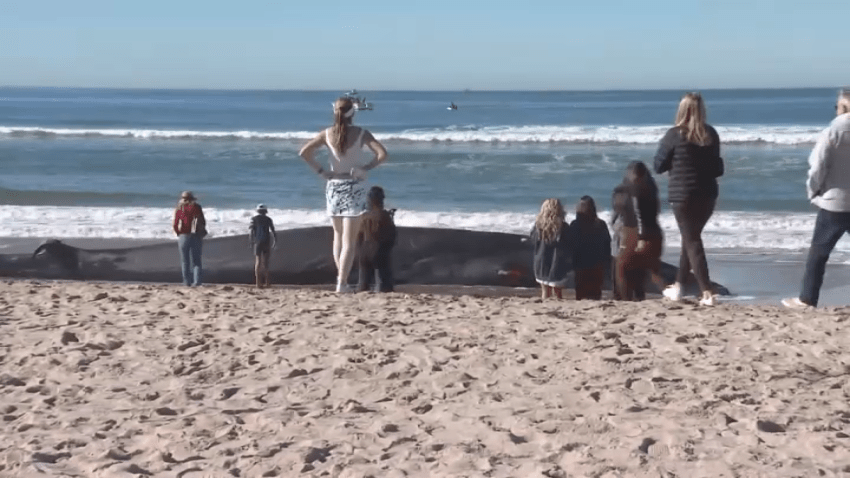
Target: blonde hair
842,105
550,220
691,118
342,122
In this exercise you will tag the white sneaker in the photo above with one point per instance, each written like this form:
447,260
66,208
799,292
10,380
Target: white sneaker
796,303
708,299
343,288
673,292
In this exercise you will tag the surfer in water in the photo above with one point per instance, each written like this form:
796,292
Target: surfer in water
453,106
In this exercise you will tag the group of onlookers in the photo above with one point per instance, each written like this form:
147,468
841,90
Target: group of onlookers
689,152
375,242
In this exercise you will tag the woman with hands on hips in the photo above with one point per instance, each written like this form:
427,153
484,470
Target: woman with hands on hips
345,192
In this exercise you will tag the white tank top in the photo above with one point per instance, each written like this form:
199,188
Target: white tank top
352,158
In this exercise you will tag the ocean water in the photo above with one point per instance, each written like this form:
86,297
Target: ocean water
111,163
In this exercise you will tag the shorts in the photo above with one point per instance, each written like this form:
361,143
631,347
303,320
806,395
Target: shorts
261,248
346,197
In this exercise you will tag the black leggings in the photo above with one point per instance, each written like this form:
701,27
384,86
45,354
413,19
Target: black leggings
692,216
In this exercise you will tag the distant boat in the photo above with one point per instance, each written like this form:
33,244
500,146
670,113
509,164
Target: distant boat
362,104
359,103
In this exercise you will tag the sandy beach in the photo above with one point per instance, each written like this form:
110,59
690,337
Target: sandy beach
113,380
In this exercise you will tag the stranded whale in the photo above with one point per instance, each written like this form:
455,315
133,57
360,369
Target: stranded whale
428,256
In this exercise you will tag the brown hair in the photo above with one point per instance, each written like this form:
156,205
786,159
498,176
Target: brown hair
341,124
372,219
550,220
691,118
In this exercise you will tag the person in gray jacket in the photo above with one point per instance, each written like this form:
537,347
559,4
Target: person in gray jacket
828,188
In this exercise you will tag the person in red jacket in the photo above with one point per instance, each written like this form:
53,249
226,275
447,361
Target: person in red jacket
190,227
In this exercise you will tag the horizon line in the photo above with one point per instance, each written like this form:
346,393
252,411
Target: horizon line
403,90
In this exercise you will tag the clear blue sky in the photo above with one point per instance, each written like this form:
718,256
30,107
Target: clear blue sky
436,44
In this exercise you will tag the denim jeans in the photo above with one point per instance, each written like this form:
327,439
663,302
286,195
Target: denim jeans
829,227
190,258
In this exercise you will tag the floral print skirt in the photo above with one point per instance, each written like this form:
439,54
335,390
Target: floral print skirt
346,197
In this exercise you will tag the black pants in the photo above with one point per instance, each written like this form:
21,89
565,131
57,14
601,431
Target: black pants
829,227
692,216
374,260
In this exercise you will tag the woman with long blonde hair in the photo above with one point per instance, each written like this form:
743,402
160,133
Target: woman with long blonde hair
345,191
690,152
552,248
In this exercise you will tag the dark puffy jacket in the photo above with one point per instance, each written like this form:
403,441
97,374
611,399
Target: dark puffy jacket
693,169
553,260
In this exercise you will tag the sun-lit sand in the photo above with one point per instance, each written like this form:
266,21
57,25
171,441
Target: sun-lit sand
113,380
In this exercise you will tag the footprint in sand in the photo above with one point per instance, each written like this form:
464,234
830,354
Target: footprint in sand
654,449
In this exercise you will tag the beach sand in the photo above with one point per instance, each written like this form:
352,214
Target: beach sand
115,380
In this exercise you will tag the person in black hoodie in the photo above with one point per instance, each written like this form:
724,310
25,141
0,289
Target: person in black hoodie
376,241
592,250
690,152
641,240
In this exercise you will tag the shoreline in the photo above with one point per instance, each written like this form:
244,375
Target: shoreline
752,277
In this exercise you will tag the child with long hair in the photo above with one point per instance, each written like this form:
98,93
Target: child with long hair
375,244
552,248
592,250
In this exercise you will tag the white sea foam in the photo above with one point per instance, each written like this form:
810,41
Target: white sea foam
740,231
759,134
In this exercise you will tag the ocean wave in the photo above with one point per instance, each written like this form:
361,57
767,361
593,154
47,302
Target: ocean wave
749,134
733,230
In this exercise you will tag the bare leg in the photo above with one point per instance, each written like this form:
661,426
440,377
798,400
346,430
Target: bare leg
336,222
558,292
350,229
258,271
544,291
265,260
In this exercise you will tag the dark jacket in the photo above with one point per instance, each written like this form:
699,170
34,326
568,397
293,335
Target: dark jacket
693,169
552,261
592,245
637,205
